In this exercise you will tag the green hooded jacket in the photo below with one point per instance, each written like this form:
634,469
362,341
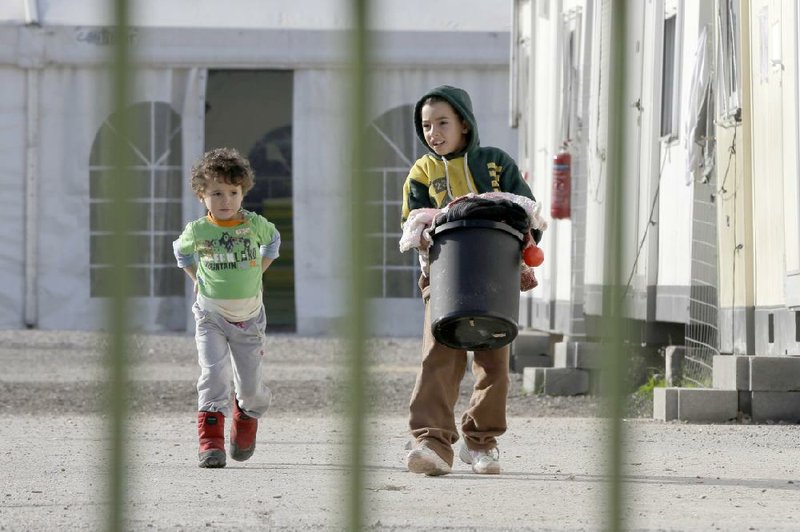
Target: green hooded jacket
433,178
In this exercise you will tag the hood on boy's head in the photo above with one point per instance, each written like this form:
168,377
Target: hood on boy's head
462,104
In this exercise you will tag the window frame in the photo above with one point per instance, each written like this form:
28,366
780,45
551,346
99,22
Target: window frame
728,56
392,176
570,50
152,165
671,60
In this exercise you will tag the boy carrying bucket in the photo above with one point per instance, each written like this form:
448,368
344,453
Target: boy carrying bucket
456,166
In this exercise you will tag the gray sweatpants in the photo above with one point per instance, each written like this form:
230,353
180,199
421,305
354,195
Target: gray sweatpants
228,350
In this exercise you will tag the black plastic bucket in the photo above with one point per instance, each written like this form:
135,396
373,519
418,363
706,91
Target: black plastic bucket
474,276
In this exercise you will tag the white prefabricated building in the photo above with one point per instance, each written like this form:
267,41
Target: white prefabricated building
569,48
710,164
268,78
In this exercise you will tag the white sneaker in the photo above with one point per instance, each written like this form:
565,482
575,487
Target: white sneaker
483,462
424,460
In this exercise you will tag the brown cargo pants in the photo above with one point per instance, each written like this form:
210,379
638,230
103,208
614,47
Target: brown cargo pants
436,392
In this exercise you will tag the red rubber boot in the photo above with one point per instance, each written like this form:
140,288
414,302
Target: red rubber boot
243,434
211,430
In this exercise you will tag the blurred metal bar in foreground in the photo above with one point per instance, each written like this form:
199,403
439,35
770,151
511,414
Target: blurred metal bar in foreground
613,300
358,279
121,253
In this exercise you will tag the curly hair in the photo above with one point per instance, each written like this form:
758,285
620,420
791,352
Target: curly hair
223,165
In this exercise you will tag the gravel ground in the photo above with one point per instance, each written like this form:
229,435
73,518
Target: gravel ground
305,374
55,460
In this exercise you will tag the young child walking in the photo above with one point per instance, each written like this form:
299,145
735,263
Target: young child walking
225,254
456,165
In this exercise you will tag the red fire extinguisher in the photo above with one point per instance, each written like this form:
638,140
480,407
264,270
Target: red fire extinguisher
562,184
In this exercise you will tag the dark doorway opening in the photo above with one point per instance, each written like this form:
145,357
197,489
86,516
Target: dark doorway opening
251,110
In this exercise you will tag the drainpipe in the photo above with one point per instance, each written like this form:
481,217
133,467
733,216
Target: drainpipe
32,197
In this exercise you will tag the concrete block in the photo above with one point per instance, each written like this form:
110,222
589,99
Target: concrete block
746,402
707,404
592,355
695,404
775,406
563,381
531,349
665,404
520,361
674,357
587,355
532,380
532,342
597,382
561,357
578,354
731,372
774,374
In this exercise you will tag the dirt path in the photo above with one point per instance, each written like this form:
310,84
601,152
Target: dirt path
55,446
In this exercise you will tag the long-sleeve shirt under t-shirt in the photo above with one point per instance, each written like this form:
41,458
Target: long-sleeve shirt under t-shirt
229,255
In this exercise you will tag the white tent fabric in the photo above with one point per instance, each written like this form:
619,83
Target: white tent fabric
12,195
320,157
55,101
74,105
12,11
320,201
442,15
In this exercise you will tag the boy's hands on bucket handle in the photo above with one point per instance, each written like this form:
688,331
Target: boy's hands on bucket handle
424,243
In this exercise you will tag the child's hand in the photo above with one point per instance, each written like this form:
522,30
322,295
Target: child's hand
423,243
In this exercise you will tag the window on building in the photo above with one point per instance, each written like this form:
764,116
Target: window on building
394,274
728,46
153,164
570,112
670,78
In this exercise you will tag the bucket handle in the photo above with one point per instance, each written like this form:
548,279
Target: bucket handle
485,224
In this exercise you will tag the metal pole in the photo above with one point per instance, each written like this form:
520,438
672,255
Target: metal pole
613,303
117,389
358,278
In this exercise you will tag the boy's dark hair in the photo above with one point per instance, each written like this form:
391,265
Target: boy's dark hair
438,99
224,165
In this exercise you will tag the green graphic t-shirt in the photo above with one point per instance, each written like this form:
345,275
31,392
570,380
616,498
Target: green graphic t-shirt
229,256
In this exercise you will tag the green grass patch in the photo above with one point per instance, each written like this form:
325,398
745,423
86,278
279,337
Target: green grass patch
654,380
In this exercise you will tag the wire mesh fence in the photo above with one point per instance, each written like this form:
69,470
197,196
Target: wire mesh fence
702,333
